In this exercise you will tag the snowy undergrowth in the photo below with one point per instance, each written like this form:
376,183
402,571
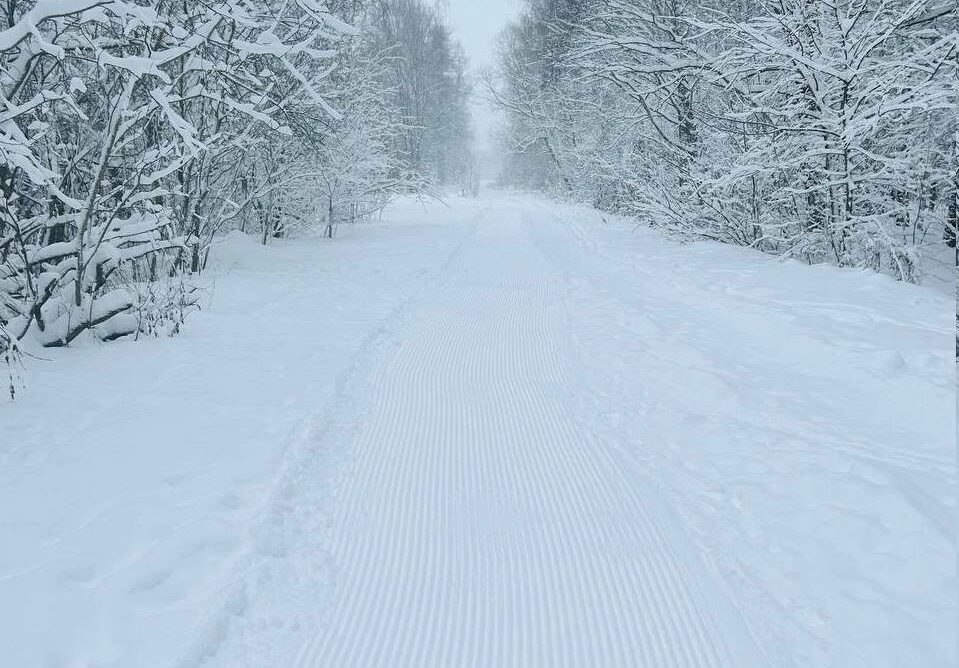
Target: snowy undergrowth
132,473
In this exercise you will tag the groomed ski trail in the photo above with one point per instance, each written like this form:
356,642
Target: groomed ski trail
480,524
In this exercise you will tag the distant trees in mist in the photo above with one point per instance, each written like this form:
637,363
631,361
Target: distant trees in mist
819,129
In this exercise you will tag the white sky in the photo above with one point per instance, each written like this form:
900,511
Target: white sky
476,23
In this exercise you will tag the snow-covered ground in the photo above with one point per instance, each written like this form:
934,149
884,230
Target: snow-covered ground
498,433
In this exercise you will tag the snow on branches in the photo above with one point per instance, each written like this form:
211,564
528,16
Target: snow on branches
120,125
805,128
132,133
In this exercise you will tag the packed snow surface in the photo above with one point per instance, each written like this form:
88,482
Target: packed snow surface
502,432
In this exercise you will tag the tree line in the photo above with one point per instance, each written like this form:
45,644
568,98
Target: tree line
133,133
824,130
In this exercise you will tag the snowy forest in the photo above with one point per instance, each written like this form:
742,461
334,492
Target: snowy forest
823,130
135,133
534,333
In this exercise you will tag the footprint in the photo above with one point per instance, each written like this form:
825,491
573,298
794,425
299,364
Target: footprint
230,500
152,580
79,575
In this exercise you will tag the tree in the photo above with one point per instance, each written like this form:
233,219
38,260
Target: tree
429,89
121,120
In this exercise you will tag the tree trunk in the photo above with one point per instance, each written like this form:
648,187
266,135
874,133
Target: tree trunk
329,218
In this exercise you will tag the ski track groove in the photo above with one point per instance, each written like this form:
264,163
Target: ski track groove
481,524
308,449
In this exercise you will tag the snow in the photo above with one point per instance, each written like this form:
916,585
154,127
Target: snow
501,432
45,9
130,472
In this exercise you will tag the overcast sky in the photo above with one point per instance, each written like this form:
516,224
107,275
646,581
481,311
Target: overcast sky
476,23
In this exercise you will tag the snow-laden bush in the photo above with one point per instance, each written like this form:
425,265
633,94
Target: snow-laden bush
161,307
123,127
